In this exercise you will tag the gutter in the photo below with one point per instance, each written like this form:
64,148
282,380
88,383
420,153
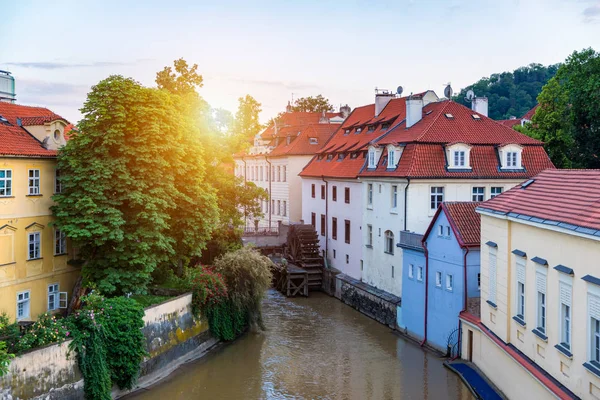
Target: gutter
424,243
269,205
326,217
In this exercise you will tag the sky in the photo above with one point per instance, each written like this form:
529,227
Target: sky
279,50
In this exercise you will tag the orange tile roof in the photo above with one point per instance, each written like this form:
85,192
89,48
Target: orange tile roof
557,197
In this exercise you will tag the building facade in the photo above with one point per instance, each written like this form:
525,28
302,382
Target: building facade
34,274
441,276
539,331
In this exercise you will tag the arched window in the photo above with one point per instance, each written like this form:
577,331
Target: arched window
389,242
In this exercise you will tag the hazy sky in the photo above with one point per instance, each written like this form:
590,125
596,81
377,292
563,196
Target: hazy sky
272,49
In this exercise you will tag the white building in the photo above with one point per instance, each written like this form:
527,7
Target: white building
279,153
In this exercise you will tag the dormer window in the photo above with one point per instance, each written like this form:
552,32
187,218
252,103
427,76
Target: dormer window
510,156
313,140
459,156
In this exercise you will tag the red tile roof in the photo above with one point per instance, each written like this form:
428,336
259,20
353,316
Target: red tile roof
465,221
567,198
14,139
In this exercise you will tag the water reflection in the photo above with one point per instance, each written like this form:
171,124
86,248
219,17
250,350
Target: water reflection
315,348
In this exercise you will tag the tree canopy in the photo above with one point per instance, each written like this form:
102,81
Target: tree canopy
510,93
312,104
568,118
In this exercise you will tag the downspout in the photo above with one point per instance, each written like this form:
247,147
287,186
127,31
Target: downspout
326,217
269,207
464,302
426,291
406,202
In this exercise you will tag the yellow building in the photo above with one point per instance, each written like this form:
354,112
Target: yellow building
34,275
539,332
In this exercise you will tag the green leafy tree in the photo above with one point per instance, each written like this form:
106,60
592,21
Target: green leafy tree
510,93
123,203
312,104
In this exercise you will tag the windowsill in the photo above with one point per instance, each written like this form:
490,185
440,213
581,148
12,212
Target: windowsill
34,195
592,368
368,246
34,259
493,305
540,335
564,351
519,319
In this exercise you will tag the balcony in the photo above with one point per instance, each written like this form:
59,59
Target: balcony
410,240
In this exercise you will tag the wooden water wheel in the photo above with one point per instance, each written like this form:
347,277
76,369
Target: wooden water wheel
303,247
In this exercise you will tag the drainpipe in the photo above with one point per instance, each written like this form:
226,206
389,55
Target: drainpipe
464,302
269,207
406,201
326,217
426,290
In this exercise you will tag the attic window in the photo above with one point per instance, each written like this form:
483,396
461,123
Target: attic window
385,126
449,116
476,117
371,128
313,140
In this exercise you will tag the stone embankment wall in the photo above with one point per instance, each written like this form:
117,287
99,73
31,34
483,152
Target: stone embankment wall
173,336
373,302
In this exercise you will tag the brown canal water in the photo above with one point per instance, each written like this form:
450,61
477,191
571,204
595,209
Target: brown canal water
314,348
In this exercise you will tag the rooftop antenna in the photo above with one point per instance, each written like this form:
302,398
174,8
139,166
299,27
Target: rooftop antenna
448,91
470,95
399,90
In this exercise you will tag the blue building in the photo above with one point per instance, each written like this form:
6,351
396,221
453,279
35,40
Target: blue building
434,279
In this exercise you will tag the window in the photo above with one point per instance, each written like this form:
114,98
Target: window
313,220
284,174
495,191
411,271
60,242
459,158
22,305
5,182
436,197
389,242
347,231
323,225
540,282
34,240
372,159
394,196
370,194
478,194
391,159
334,193
284,208
278,207
511,159
334,228
370,235
420,274
347,195
566,291
34,182
312,191
438,279
492,278
449,282
323,192
53,297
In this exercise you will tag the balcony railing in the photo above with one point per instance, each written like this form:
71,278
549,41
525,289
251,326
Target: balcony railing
410,240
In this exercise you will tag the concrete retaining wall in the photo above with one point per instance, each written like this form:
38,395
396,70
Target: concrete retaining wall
373,302
173,336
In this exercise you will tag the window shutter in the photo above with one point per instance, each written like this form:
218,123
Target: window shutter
594,306
565,294
62,300
492,263
540,283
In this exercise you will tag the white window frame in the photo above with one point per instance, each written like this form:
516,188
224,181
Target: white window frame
411,271
420,274
34,182
24,298
478,193
6,189
34,238
394,196
449,282
436,197
496,191
438,279
60,242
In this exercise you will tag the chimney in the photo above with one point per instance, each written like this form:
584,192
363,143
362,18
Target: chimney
345,110
381,99
414,110
480,105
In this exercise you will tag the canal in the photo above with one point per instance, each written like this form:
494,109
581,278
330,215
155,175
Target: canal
314,348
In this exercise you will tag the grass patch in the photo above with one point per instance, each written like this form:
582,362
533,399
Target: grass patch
147,300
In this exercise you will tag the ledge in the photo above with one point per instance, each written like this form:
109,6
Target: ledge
492,304
540,334
591,279
563,350
564,270
520,320
519,253
592,368
539,260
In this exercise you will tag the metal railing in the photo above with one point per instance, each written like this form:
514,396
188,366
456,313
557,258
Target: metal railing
410,239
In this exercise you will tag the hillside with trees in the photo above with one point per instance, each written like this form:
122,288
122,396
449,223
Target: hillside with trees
511,93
